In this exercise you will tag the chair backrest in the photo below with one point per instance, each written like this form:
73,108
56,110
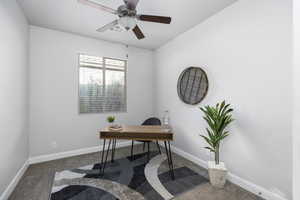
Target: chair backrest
153,121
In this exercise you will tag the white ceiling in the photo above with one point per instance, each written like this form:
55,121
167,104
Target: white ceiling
70,16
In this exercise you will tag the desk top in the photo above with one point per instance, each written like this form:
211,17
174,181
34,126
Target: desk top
138,133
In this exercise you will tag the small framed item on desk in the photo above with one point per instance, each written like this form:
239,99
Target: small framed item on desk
115,128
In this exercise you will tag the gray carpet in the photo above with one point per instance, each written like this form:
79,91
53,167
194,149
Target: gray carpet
125,178
37,181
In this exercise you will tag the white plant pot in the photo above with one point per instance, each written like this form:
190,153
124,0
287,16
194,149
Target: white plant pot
217,174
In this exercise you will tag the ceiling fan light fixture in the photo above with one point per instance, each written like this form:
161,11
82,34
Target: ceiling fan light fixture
127,22
117,28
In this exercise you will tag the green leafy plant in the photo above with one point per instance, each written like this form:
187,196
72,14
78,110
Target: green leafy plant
110,119
217,118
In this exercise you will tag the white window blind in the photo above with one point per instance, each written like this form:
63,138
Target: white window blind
102,84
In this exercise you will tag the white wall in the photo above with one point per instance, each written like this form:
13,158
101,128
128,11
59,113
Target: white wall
14,90
54,90
246,51
296,130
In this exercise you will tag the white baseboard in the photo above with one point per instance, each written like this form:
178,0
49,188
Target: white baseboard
190,157
55,156
247,185
256,189
10,188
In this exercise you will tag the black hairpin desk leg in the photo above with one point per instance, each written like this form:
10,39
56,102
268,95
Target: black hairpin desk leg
102,155
113,150
106,156
170,159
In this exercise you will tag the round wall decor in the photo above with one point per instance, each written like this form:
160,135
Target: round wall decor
192,85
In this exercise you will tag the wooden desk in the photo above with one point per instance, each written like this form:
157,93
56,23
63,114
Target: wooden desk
144,133
147,133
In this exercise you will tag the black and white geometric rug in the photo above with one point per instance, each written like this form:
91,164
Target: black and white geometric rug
125,179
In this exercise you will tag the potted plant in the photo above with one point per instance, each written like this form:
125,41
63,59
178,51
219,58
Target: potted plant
218,118
111,120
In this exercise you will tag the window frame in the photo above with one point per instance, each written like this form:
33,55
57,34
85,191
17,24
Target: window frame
104,85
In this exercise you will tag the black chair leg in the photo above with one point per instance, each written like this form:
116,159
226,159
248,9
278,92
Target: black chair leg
148,156
144,144
158,147
132,150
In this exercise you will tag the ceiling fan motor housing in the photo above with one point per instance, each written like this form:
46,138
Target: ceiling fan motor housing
124,11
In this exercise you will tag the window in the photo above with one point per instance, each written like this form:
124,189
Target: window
102,84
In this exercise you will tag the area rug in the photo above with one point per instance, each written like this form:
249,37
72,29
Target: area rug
125,179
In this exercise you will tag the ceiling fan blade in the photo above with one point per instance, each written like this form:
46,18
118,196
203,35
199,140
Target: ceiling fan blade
95,4
131,4
138,33
156,19
108,26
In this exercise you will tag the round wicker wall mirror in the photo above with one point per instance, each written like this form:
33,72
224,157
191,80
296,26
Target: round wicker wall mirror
192,85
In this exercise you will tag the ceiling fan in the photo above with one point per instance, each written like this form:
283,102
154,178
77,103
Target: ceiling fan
127,16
